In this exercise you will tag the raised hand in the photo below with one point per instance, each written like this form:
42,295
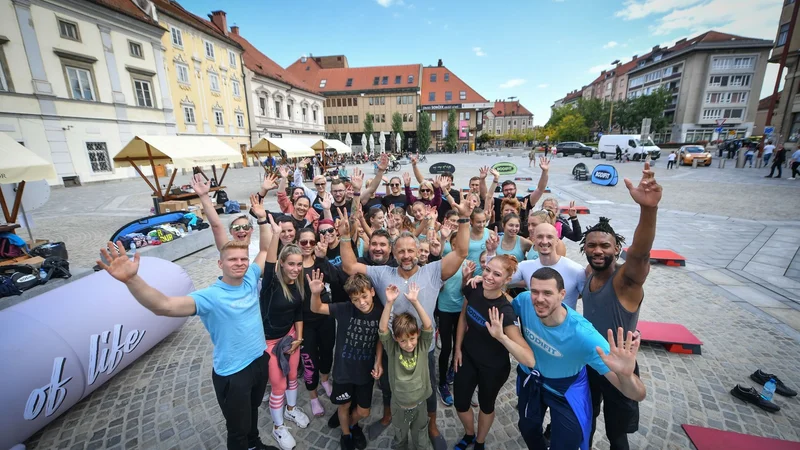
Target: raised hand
413,293
199,184
573,211
384,163
392,292
357,179
414,160
270,182
484,171
119,265
495,324
327,201
468,269
315,281
544,163
464,208
474,282
437,181
492,242
283,171
435,245
321,249
620,359
648,192
407,178
344,224
445,231
276,229
525,204
257,207
494,173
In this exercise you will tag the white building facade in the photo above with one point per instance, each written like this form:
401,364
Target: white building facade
79,80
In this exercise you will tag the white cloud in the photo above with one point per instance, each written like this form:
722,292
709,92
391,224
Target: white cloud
751,18
611,44
637,9
514,82
478,51
543,85
388,3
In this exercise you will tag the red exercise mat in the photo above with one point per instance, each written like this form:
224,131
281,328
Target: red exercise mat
711,439
579,209
668,257
675,337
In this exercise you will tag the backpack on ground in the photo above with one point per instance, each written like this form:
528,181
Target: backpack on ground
222,197
56,267
9,250
51,249
23,276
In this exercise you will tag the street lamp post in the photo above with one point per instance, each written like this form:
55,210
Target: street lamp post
511,99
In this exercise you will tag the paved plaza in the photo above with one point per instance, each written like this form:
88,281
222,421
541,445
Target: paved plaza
739,293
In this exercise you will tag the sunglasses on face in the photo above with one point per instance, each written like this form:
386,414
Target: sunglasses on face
326,231
243,227
425,190
307,242
394,184
320,184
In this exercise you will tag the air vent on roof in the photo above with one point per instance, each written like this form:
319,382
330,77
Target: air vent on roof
439,63
303,59
616,61
635,56
680,41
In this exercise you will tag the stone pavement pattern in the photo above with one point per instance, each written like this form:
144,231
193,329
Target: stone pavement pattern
165,399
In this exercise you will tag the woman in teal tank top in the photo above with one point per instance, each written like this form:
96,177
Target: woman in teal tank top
512,243
478,234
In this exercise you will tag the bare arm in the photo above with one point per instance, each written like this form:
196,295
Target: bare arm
542,186
392,292
350,263
272,250
376,181
201,188
413,297
461,328
417,172
631,386
451,263
513,341
264,231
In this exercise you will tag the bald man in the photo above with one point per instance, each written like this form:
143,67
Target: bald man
545,238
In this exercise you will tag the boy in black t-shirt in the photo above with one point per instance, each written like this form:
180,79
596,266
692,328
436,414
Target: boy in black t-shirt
357,358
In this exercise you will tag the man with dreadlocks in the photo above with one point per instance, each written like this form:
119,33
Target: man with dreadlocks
613,295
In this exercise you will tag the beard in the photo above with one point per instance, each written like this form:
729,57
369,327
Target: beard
410,266
379,259
607,262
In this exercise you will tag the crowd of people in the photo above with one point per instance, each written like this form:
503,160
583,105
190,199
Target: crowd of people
347,288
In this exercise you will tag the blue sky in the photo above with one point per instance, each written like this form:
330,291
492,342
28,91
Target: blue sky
536,50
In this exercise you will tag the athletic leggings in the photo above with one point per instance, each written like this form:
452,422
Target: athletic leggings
448,322
277,379
488,380
317,351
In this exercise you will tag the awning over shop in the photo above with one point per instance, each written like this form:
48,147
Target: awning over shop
183,152
340,147
294,148
18,163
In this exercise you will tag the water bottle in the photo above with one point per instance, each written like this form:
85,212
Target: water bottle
42,273
133,250
189,230
769,390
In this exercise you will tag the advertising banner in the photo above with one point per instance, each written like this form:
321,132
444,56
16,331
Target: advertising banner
60,346
442,167
463,127
605,175
505,168
444,129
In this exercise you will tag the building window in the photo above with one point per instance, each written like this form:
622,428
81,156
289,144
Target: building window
411,117
135,49
209,50
3,82
182,70
433,117
339,120
350,101
314,115
219,118
240,120
232,59
303,112
742,63
385,80
188,115
68,30
80,82
98,156
349,119
447,76
462,95
235,86
411,79
461,115
376,81
144,93
371,100
262,105
709,114
349,82
740,80
466,115
355,101
328,120
431,96
277,109
783,33
398,79
383,118
433,78
177,37
448,96
213,80
733,113
355,119
721,63
289,107
338,102
322,83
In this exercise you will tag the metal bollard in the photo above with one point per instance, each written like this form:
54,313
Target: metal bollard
721,164
694,163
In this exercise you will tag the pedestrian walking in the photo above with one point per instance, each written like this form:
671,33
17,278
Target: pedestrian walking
777,162
748,156
619,154
768,149
795,160
670,160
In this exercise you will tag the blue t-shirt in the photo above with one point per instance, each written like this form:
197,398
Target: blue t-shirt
232,316
451,299
563,350
475,250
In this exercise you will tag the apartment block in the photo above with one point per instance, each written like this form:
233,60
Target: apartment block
507,117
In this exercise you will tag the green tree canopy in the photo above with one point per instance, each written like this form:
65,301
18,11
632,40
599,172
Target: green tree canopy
397,127
572,128
368,129
424,132
451,143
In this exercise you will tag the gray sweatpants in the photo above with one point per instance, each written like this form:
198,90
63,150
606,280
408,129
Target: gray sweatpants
413,421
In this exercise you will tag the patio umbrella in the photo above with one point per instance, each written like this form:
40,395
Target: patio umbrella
372,142
382,140
397,142
364,143
348,140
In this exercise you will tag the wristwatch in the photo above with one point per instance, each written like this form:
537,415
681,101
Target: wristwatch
464,220
263,222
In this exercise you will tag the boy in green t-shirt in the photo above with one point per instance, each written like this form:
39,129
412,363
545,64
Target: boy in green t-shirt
409,375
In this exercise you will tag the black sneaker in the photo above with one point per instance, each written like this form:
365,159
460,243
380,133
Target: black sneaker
359,439
346,442
333,422
749,395
761,378
261,446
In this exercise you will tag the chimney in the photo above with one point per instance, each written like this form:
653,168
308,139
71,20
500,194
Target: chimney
235,30
635,56
681,41
656,48
219,20
439,64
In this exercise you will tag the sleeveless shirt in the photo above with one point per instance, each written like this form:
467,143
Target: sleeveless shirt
603,309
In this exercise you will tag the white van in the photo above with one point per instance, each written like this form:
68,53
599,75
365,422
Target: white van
607,147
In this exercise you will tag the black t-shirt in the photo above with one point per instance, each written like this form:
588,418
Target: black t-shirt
298,224
523,215
374,201
477,340
335,210
445,206
356,339
277,312
334,255
317,204
394,201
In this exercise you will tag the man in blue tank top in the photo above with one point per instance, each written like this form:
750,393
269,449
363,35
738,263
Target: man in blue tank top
613,295
563,343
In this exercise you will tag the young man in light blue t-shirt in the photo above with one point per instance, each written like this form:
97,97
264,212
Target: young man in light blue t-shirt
230,311
563,343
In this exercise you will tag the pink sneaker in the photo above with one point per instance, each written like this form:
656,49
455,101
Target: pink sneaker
328,388
316,408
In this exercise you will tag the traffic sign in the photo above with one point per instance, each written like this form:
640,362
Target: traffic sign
769,130
718,129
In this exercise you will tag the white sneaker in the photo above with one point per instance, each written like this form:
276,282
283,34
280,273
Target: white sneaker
283,438
297,416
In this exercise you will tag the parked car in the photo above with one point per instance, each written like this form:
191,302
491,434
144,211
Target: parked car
688,153
636,148
572,148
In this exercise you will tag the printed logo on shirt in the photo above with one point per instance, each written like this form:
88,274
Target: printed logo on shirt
243,303
476,316
409,363
541,343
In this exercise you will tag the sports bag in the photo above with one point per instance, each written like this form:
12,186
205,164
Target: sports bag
222,197
23,276
51,249
9,250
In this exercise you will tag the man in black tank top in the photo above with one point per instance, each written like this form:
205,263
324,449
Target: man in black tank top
613,295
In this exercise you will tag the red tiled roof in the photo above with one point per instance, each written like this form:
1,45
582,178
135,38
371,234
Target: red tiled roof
362,78
455,85
573,95
174,9
514,108
763,104
331,61
262,65
126,7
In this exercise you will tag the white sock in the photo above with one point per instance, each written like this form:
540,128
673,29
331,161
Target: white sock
277,416
291,397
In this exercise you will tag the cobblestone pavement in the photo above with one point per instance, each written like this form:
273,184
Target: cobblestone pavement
736,294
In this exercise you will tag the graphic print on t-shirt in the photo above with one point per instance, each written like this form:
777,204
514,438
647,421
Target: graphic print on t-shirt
360,339
409,362
476,316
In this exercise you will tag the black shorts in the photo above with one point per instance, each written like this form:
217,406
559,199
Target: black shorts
342,394
621,413
489,381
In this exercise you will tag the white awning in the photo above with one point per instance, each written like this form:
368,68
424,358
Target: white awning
18,163
319,144
339,146
184,152
294,148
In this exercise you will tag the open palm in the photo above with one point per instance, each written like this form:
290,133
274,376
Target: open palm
620,359
648,192
119,265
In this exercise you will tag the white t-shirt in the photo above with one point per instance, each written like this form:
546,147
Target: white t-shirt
671,157
796,156
573,274
768,149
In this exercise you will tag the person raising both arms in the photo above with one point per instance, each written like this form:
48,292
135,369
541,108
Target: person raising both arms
510,190
229,310
240,227
612,298
286,204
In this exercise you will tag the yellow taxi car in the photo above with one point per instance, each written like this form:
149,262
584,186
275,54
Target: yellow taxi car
688,153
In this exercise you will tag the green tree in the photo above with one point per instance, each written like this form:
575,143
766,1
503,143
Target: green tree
591,110
559,113
652,106
368,129
397,127
451,144
424,132
484,139
572,128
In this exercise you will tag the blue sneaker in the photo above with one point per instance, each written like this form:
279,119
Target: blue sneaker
445,395
451,376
